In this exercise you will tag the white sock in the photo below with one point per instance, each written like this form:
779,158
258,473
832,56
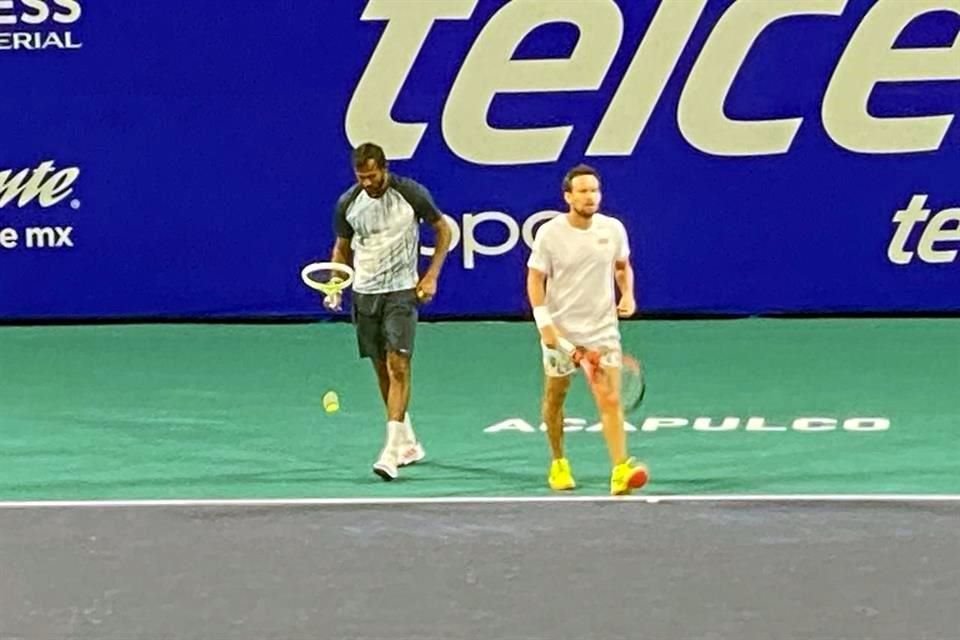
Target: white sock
395,434
408,433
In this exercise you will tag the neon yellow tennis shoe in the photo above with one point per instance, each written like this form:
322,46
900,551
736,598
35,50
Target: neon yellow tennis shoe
627,476
561,478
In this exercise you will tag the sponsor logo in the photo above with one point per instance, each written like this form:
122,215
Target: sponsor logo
45,185
37,25
465,232
709,424
918,236
869,57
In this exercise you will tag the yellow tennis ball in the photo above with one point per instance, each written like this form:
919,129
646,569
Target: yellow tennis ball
331,402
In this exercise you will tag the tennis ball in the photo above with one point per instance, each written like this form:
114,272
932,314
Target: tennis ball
331,402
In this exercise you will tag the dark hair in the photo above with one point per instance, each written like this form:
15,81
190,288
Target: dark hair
366,152
579,170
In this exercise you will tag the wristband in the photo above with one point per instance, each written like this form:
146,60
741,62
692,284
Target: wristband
542,316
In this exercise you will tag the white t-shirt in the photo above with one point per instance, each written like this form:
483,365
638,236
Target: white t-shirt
579,264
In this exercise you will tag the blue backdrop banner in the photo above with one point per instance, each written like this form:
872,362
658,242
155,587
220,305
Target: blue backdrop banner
183,159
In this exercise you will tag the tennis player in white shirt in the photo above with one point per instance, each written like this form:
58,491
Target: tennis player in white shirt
576,260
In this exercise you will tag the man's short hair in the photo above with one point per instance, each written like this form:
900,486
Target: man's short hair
579,170
366,152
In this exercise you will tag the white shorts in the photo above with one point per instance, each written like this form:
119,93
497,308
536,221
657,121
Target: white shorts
557,364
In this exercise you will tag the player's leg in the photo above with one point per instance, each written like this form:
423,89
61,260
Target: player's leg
383,377
368,318
414,451
626,473
606,394
557,369
555,391
400,327
398,396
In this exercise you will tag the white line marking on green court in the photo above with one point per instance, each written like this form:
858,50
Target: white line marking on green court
471,500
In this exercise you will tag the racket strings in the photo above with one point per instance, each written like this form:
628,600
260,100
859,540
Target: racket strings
327,277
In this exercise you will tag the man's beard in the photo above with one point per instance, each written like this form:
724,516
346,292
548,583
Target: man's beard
585,213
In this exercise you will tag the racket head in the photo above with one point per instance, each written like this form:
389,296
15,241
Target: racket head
633,385
327,277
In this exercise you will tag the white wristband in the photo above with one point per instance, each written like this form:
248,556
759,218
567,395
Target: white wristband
542,316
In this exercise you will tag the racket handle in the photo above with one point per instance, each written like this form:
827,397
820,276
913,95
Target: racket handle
333,301
588,360
566,346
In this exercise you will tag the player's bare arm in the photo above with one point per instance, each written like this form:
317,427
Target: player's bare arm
427,288
623,275
342,252
537,294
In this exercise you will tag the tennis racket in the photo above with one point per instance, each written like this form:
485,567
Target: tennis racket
632,379
329,278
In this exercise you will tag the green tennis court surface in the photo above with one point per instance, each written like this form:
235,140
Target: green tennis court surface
234,411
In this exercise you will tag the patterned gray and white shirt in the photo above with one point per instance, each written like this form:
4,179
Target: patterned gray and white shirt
384,233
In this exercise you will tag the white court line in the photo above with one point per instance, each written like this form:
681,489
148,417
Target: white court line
335,502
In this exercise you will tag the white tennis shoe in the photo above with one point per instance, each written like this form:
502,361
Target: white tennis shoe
409,451
411,454
386,464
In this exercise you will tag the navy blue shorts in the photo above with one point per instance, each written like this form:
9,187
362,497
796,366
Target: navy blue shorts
385,322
